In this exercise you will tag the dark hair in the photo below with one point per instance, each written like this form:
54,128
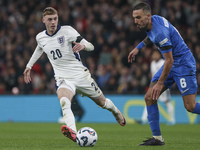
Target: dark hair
144,6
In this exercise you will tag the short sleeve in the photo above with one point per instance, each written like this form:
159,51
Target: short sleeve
164,42
72,34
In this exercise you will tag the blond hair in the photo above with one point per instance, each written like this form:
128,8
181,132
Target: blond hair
49,11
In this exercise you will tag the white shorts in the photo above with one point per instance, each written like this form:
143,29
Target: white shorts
165,96
85,85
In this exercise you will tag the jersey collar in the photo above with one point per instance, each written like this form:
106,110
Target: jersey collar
58,28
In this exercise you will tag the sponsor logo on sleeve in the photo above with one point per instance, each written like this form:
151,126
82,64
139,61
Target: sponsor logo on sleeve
163,41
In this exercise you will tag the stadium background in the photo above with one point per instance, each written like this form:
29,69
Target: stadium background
108,24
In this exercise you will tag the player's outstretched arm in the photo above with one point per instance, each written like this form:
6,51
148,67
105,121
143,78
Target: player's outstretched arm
132,54
27,75
27,72
145,42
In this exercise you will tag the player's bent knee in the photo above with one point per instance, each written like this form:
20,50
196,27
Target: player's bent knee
189,108
147,97
149,101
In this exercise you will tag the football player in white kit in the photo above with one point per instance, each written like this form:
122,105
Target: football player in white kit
155,65
70,74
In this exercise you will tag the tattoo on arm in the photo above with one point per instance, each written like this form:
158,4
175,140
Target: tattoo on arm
152,83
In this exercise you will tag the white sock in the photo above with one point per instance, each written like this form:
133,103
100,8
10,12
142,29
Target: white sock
170,110
159,138
110,106
67,113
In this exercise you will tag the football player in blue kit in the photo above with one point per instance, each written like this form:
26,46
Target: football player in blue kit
179,66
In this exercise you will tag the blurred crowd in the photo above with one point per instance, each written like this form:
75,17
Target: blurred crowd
107,24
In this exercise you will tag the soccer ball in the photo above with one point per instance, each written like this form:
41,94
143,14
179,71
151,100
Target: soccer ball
86,137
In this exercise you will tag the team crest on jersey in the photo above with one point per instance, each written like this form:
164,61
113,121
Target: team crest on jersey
61,40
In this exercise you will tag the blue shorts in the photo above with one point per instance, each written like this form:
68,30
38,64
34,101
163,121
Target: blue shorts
186,79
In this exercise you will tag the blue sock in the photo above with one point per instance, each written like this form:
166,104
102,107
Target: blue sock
197,109
153,118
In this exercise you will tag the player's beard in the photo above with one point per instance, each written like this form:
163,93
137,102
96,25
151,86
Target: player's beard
145,22
144,28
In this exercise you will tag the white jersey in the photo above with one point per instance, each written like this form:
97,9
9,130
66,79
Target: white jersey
155,66
58,47
69,71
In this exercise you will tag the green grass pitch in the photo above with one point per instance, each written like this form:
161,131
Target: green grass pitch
48,136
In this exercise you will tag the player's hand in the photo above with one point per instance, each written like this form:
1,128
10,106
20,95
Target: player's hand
132,54
27,75
156,90
78,47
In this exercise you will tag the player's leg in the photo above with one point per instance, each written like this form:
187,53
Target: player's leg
164,97
65,96
153,112
188,88
153,119
190,103
106,103
90,89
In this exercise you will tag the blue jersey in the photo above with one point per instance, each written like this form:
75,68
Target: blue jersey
166,37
